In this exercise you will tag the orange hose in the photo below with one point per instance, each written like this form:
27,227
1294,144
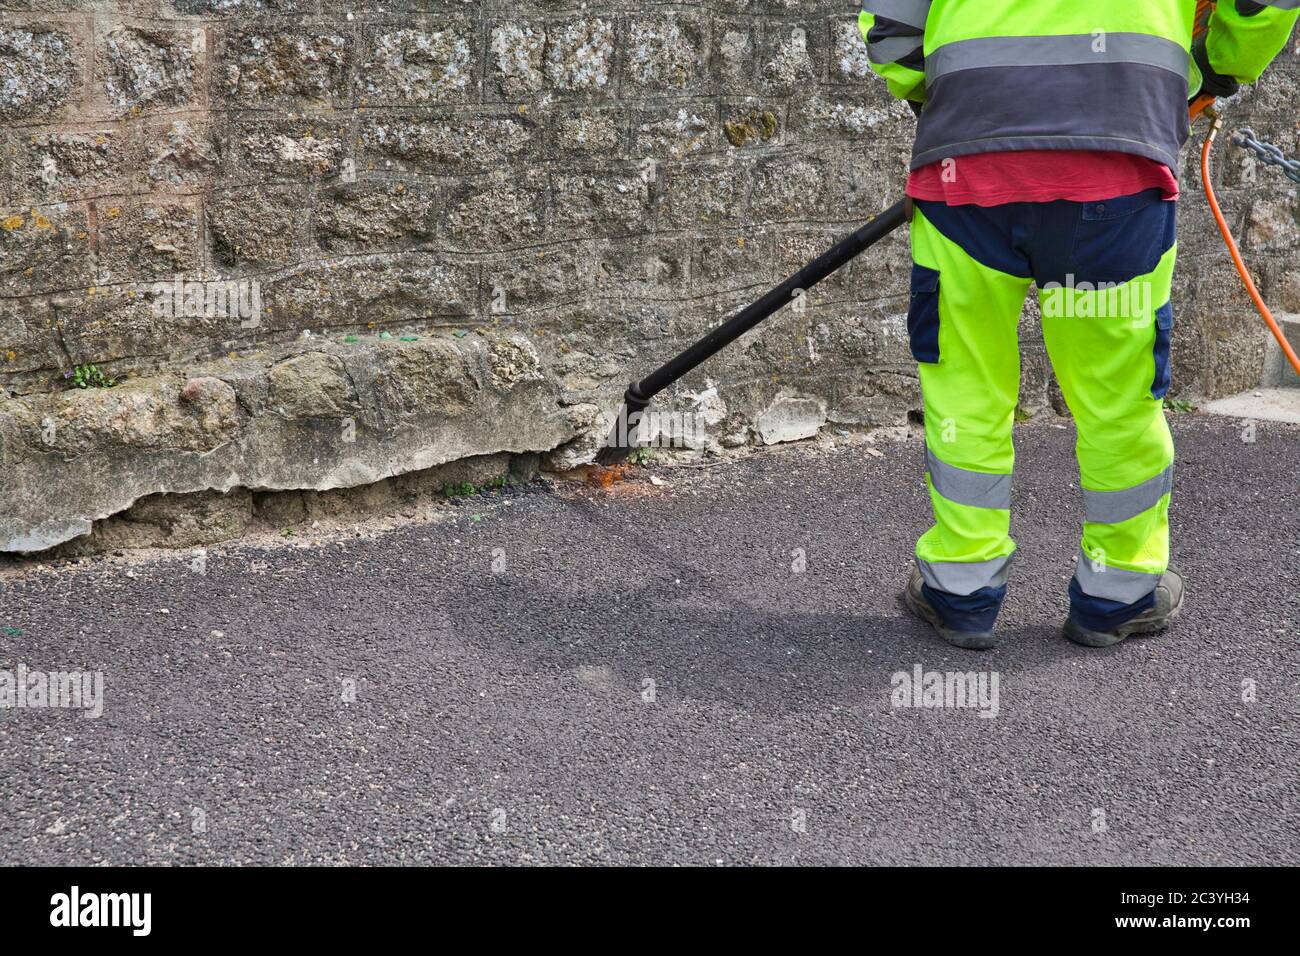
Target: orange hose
1200,105
1235,252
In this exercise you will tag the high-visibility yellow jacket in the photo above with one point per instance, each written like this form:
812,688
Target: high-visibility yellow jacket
1061,74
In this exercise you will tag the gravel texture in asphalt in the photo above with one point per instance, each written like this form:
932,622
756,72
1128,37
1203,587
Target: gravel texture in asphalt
693,672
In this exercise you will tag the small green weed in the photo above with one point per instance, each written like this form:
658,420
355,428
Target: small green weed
91,376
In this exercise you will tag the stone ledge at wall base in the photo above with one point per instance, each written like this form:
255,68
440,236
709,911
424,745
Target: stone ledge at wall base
196,520
317,417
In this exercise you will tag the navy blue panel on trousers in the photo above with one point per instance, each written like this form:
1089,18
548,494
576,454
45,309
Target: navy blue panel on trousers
968,613
994,236
1114,240
1100,614
923,314
1164,334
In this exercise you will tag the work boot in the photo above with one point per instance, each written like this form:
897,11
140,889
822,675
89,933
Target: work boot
1168,602
920,605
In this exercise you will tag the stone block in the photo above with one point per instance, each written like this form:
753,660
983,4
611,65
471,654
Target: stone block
40,72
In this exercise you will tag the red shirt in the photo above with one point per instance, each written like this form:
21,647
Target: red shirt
1044,175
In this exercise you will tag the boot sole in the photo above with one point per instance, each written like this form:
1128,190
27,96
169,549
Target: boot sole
967,642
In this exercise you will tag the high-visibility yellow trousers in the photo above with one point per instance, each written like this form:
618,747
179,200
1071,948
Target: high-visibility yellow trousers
1103,272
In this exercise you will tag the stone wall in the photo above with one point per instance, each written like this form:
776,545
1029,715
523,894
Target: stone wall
448,228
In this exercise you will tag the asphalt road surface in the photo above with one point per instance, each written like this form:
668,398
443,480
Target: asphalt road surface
658,674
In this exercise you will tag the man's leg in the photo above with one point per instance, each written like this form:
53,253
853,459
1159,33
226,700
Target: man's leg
962,324
1109,347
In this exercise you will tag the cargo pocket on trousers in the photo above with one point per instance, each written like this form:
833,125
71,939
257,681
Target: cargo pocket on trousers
1164,334
923,314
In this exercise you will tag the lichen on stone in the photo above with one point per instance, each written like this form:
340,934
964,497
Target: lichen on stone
418,66
790,63
580,55
662,54
148,68
752,125
39,72
518,50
